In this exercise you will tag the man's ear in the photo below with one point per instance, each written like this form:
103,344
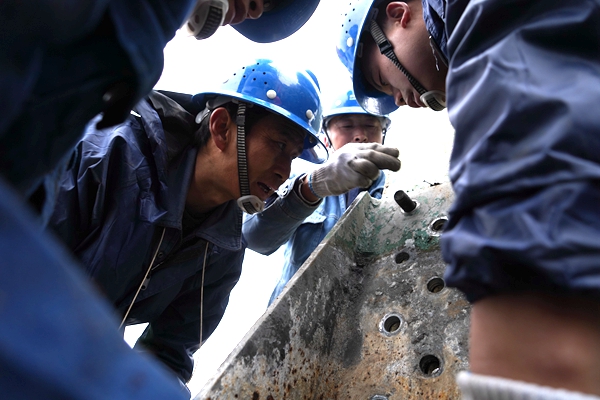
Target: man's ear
398,11
325,139
219,124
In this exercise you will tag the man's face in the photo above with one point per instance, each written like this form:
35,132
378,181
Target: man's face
413,50
271,146
354,128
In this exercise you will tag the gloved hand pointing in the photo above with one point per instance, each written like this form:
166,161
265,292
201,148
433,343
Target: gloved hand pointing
353,165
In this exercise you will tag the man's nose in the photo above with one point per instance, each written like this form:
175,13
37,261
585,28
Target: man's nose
398,98
283,168
255,9
360,136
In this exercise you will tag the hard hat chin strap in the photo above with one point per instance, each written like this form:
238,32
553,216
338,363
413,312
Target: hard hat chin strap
248,203
206,17
435,99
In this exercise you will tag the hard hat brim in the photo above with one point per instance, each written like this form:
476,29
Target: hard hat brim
279,23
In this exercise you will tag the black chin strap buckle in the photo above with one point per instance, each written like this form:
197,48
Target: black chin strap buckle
384,46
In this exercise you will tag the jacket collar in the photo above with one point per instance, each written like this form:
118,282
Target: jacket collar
224,227
434,14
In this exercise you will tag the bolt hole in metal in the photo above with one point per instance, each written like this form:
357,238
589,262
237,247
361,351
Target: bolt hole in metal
401,257
436,284
430,365
437,225
390,324
379,397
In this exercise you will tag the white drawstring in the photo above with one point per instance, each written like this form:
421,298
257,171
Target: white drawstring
145,276
202,292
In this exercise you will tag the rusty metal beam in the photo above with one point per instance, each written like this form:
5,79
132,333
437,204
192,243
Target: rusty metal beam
368,315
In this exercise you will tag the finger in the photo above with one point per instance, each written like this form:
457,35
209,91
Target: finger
392,151
381,160
365,168
365,182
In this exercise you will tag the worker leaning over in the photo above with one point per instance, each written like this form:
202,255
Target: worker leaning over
312,201
153,206
522,236
60,65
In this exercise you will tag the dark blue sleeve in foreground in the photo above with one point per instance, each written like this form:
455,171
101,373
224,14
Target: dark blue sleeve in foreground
523,97
58,340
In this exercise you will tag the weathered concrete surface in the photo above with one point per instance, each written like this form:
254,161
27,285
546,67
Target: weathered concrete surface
366,317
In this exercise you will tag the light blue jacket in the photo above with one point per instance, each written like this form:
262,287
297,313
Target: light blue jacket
289,219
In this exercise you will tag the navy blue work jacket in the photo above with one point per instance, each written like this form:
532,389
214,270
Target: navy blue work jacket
58,338
122,202
62,63
522,92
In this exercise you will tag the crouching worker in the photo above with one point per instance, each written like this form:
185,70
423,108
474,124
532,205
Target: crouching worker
314,199
153,206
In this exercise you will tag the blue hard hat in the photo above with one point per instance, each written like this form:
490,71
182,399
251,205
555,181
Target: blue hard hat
279,20
346,104
292,93
354,20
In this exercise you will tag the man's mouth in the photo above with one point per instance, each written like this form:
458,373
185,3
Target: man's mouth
265,188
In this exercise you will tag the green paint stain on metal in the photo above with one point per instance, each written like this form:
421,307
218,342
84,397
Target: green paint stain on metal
368,230
439,201
424,241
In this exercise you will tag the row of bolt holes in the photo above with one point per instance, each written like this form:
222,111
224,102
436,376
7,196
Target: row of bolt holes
429,364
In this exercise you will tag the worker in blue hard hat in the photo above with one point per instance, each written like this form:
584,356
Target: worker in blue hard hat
312,201
153,207
519,80
411,72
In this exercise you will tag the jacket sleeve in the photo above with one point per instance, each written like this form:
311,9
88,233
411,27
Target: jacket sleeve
174,336
77,197
265,232
58,338
84,186
525,164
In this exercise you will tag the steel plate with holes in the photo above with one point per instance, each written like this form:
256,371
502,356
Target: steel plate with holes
368,316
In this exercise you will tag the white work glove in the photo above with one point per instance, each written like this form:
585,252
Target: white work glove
353,165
